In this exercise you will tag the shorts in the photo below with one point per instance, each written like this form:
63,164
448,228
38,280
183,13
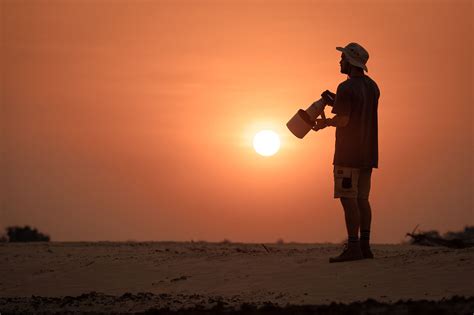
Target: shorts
351,182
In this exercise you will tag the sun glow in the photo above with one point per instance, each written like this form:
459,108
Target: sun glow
266,142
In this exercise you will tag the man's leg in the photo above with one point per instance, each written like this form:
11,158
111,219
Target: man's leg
346,181
352,218
365,211
365,214
365,220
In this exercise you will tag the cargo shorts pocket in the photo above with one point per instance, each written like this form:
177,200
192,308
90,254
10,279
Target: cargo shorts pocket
345,182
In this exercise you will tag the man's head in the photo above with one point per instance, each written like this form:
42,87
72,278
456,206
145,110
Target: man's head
353,55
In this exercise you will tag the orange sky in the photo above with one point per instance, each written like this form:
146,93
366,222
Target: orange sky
133,119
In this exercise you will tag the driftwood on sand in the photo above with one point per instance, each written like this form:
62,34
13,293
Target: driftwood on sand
461,239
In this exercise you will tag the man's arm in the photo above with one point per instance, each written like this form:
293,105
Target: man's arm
338,121
342,107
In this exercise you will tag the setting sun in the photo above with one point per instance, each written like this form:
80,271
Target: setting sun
266,142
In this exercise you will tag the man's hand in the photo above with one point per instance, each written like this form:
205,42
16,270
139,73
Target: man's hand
320,124
328,97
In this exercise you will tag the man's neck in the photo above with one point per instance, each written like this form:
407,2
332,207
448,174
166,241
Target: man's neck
356,72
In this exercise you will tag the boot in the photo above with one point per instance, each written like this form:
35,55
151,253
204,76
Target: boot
351,251
365,248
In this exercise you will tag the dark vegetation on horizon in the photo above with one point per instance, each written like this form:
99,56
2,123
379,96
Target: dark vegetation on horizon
23,234
462,239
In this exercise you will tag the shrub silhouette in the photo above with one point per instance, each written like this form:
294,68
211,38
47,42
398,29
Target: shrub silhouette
462,239
25,234
466,235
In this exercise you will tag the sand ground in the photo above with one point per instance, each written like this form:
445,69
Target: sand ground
183,274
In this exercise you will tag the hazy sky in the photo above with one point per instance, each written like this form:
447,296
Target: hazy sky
134,119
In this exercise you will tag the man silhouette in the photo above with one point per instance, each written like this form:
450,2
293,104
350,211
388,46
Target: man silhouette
356,151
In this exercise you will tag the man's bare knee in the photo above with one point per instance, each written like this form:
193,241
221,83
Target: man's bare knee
363,203
349,203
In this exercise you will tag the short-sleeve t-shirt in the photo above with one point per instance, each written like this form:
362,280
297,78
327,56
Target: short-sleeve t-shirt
357,142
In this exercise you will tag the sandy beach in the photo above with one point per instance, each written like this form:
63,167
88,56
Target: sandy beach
139,276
